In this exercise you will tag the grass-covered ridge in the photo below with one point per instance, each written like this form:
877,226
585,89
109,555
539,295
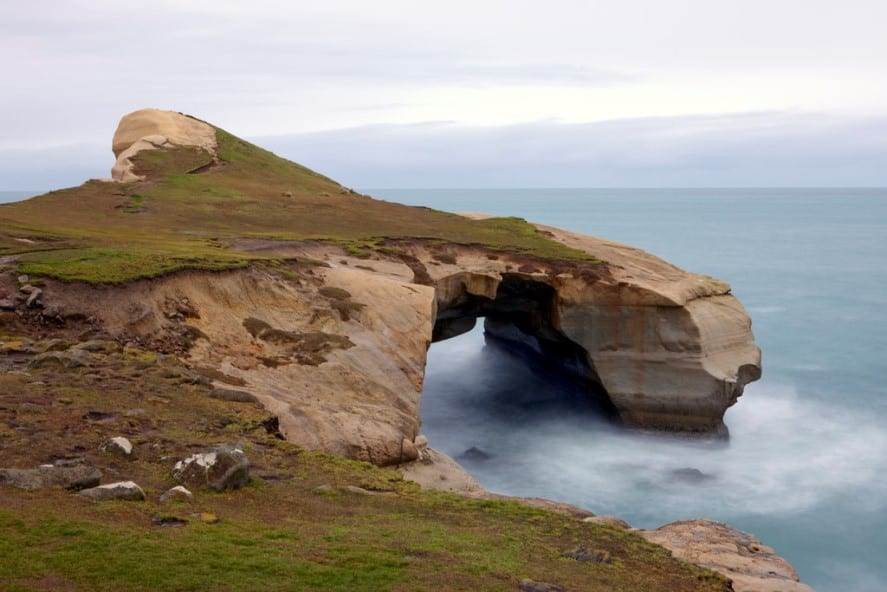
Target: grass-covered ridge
189,207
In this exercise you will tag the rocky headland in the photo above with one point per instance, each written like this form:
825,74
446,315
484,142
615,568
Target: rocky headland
325,320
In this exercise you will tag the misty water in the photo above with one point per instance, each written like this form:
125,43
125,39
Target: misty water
805,468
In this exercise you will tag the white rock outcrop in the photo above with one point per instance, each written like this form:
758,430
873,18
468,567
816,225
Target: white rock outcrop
153,129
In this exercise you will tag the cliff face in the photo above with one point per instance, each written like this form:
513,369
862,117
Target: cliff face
336,347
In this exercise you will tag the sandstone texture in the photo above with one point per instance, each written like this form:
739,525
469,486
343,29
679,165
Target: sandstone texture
751,565
153,129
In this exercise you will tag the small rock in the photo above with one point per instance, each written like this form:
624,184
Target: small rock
323,489
177,493
206,518
27,289
475,453
224,467
117,445
533,586
168,521
34,299
76,461
77,477
580,554
23,279
51,345
359,490
7,304
122,490
690,475
233,396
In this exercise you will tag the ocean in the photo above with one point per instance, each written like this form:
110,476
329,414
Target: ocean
805,468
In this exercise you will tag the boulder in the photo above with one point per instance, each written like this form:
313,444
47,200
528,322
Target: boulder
176,493
224,467
117,445
753,566
46,476
233,395
121,490
534,586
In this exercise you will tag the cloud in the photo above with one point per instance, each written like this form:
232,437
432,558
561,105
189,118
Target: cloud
750,149
753,149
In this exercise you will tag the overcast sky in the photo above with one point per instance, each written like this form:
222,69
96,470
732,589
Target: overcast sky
463,93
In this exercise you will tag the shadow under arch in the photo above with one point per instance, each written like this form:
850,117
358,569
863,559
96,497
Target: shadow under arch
521,319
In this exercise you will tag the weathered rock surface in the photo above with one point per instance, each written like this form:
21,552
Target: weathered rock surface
152,129
176,493
751,565
121,490
117,445
46,476
224,467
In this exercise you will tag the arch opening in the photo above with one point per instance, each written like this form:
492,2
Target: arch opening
521,320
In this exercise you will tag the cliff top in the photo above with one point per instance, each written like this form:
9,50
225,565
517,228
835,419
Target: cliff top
184,191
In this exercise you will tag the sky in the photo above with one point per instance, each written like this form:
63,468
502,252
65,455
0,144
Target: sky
562,93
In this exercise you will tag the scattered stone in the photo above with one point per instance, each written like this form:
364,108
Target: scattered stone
224,467
46,476
608,520
7,304
122,490
176,493
533,586
206,518
690,475
34,299
75,461
323,489
117,445
475,453
23,279
232,395
100,416
27,289
168,521
594,556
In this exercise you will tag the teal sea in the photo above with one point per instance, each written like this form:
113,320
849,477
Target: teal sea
806,465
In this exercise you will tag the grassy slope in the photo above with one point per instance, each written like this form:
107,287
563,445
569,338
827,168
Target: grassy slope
110,232
276,534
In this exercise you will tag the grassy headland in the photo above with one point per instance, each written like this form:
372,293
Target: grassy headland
189,207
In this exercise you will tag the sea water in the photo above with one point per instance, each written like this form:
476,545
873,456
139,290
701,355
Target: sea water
805,468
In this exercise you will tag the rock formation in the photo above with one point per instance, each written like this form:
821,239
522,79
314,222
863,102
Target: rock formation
153,129
753,566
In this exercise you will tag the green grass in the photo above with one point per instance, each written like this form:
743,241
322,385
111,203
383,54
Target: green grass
275,534
189,208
